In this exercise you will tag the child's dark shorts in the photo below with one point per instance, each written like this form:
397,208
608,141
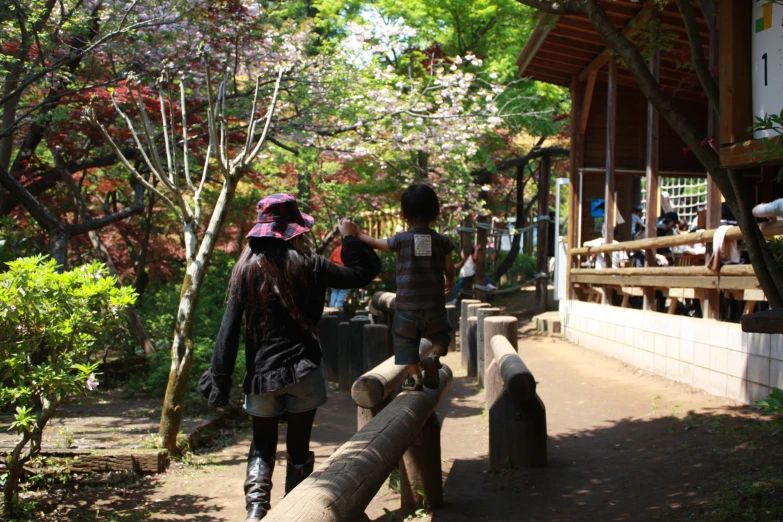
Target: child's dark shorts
410,326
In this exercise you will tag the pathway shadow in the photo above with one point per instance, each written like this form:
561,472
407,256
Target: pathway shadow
667,468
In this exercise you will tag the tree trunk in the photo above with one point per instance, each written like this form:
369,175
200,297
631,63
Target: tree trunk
542,238
182,345
503,267
10,489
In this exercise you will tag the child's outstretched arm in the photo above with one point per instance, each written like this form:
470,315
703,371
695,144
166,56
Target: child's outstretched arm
449,270
378,244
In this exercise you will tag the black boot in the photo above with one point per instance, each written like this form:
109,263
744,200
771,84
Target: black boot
296,473
258,486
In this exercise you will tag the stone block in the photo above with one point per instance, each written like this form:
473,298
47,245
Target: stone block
638,338
759,344
736,364
673,348
688,328
702,331
660,364
737,389
718,358
717,384
701,355
672,369
734,337
686,350
660,344
776,373
758,369
719,334
649,342
776,347
673,323
701,377
686,372
757,392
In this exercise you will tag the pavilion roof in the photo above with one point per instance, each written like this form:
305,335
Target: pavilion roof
563,46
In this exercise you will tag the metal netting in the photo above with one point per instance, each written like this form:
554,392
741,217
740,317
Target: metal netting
687,195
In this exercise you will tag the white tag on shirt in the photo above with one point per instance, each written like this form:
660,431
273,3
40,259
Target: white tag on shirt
422,245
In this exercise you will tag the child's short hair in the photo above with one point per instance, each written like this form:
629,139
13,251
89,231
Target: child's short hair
420,203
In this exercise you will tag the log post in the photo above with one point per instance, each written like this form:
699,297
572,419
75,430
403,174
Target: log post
517,417
463,329
472,333
374,345
420,470
328,337
481,314
611,143
344,357
355,345
542,236
451,313
472,356
505,325
338,312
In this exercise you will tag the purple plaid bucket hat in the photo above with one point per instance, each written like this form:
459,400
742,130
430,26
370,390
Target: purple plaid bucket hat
279,216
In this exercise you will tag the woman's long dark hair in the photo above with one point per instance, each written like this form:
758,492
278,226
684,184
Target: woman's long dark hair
271,269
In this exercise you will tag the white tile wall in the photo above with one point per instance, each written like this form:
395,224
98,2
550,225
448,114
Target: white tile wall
714,356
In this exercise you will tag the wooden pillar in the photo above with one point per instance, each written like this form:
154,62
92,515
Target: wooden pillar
575,163
611,132
421,470
481,256
652,180
711,298
472,335
735,63
542,240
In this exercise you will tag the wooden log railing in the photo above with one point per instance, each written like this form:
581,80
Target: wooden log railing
373,390
739,279
517,416
342,487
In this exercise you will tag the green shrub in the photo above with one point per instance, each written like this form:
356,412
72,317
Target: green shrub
523,269
773,405
51,325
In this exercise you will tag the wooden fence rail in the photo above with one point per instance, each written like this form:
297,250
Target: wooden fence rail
342,487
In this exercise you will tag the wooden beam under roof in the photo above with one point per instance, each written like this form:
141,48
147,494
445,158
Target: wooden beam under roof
603,58
545,24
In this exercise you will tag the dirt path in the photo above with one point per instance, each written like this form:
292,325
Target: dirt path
623,445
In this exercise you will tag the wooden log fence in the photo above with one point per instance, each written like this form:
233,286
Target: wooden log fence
517,416
463,330
374,389
342,487
471,336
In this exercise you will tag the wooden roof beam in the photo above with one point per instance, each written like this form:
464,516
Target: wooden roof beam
603,58
545,24
585,114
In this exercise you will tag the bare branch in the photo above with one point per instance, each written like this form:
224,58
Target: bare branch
561,8
270,112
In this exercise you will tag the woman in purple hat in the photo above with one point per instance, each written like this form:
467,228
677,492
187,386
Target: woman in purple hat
279,289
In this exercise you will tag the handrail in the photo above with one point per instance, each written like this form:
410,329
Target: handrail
725,270
768,229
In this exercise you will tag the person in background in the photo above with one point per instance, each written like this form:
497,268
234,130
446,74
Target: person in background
637,224
666,227
337,295
279,291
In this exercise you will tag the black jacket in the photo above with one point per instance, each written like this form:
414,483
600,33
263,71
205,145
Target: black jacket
284,352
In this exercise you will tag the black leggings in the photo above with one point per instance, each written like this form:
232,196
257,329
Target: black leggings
300,426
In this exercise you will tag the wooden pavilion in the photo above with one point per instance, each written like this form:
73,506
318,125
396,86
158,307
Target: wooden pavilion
617,139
